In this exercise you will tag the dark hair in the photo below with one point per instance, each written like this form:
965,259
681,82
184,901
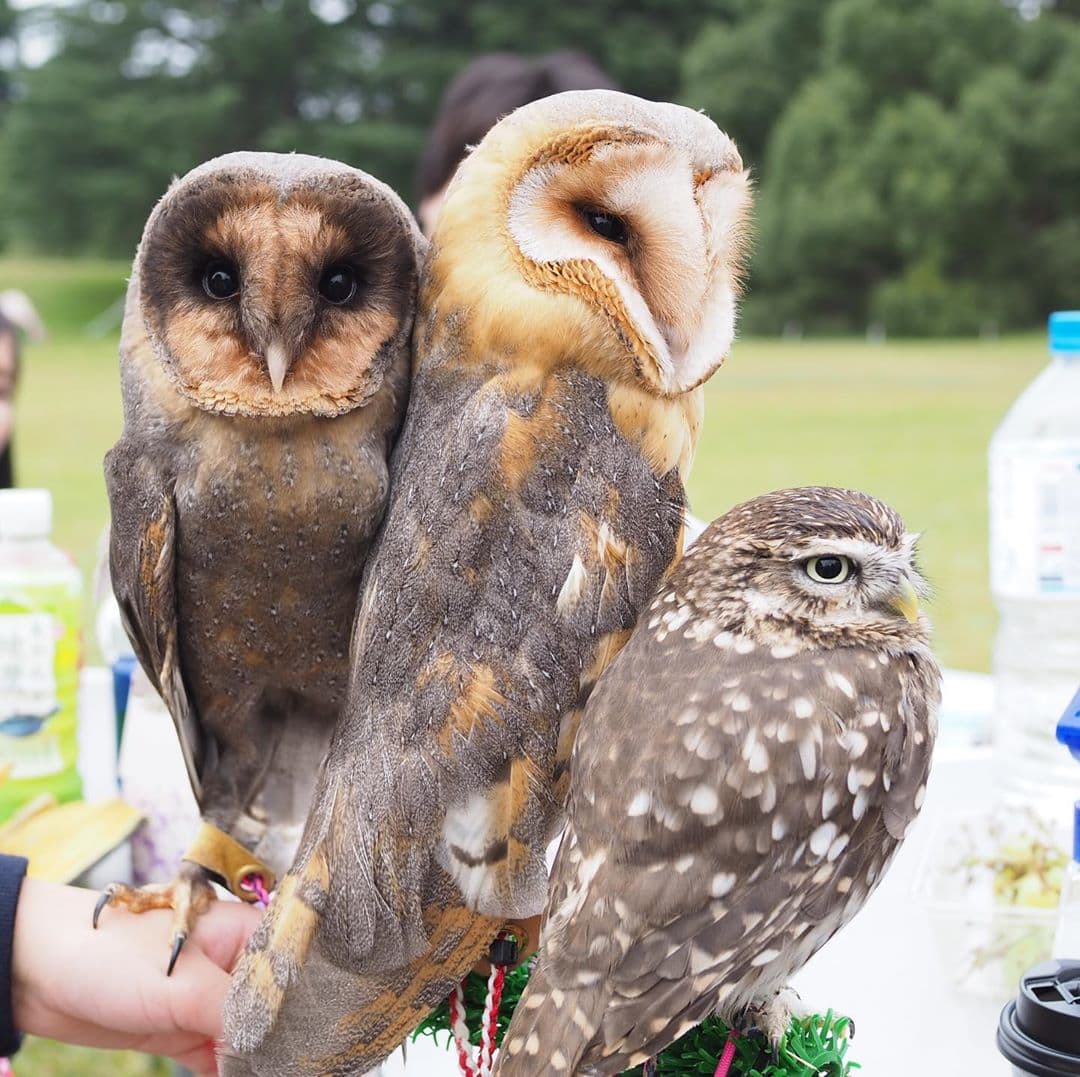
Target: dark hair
485,91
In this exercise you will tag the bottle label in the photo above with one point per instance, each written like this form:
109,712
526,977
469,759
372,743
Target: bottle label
1035,519
28,694
39,683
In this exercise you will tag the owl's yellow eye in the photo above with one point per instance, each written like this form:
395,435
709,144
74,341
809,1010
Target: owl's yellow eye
832,568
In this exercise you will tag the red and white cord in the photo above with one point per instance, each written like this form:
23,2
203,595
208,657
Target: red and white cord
489,1028
460,1030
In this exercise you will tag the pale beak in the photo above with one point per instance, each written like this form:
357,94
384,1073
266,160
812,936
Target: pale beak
906,600
277,363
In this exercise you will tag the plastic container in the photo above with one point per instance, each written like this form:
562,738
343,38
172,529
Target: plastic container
1035,574
1039,1031
991,884
40,614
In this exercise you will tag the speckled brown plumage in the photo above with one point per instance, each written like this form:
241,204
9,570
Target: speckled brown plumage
743,775
242,512
537,501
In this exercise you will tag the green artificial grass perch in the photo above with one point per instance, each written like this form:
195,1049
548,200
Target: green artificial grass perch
814,1046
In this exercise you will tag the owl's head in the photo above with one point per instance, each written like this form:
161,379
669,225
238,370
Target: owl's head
830,562
277,284
599,229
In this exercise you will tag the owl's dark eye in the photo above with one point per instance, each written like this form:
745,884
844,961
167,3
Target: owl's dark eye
606,225
221,280
830,568
337,285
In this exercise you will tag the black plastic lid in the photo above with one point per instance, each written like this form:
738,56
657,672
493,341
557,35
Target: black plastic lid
1039,1033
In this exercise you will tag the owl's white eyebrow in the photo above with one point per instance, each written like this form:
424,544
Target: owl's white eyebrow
857,549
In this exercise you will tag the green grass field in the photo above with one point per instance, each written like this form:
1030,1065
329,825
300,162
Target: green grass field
909,422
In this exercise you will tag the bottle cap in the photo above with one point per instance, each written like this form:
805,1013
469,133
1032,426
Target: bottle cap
25,514
1039,1032
1065,332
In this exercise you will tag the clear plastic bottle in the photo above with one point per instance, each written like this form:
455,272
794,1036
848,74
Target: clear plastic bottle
40,613
1035,574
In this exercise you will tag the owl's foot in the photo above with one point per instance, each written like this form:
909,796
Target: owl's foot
773,1014
189,895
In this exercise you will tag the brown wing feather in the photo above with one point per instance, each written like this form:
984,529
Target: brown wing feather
142,552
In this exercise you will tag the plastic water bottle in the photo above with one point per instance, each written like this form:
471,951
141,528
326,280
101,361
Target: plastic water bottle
1035,574
40,613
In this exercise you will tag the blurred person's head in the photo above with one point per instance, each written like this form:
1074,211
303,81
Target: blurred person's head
479,96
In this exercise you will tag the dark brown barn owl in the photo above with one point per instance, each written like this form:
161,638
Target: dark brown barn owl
264,363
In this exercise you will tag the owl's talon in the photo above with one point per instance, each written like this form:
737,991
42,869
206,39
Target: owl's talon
178,945
102,901
188,895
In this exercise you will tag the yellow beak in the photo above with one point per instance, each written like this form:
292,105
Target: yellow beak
906,601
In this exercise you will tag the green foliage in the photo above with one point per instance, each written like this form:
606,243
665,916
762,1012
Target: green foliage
917,161
812,1047
138,91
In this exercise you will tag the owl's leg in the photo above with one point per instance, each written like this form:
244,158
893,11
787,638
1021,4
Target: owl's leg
189,895
772,1014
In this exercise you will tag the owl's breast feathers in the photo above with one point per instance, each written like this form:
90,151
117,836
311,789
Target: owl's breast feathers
237,551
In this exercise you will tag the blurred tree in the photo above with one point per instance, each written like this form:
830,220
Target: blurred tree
918,161
744,69
139,90
8,50
921,172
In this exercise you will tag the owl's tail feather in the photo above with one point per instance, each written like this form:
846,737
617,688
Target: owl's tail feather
275,955
336,1023
551,1029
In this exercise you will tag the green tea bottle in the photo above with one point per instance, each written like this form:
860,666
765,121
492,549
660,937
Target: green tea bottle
40,613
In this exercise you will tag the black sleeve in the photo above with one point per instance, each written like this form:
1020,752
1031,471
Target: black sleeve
12,870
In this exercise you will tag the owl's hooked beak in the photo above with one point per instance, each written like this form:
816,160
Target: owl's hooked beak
277,364
906,600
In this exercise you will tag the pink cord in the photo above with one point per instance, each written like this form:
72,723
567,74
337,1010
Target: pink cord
5,1068
728,1056
253,884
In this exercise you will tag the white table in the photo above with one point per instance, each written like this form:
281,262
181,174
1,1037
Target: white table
883,969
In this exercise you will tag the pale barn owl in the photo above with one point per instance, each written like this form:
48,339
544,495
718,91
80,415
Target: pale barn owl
580,289
264,364
744,773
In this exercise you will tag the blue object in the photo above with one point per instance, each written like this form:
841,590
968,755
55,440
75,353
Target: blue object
1065,332
1068,727
123,669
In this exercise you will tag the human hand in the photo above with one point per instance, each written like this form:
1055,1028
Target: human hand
108,988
